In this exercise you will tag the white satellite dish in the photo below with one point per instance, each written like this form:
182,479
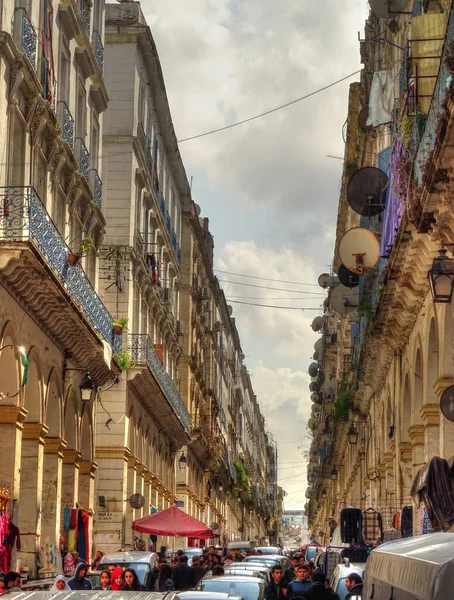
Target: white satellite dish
313,369
324,280
312,423
330,387
318,346
384,9
230,310
198,210
317,324
359,250
344,300
315,398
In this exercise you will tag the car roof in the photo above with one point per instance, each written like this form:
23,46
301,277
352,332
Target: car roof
235,578
119,557
267,548
87,594
201,594
254,567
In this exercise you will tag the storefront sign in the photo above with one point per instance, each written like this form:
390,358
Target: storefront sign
109,516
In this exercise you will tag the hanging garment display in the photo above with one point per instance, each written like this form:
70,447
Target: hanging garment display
372,526
381,99
434,486
391,534
426,526
350,522
406,522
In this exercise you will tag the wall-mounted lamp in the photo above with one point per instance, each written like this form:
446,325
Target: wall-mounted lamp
353,435
334,474
441,278
86,387
182,461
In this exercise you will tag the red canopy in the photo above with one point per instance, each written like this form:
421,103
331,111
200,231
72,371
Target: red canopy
173,522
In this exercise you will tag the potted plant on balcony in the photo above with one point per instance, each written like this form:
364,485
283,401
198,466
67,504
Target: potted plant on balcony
85,246
119,325
124,360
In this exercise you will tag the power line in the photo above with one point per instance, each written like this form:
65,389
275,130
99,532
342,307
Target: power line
268,112
265,278
264,287
273,306
271,298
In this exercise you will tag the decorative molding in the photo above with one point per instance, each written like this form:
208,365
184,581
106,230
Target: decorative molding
430,414
54,446
35,431
416,433
405,450
12,415
112,452
442,384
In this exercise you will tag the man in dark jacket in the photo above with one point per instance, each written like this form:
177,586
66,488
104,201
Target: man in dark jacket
79,581
184,576
318,590
199,570
276,589
289,574
354,585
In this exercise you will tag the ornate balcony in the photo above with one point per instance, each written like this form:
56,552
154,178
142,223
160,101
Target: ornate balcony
156,390
58,296
99,49
96,187
83,158
168,222
25,35
85,12
66,123
162,205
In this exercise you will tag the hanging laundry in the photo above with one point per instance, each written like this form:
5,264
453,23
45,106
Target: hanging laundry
372,526
66,519
381,99
426,526
13,536
406,524
391,534
434,486
396,521
350,522
48,80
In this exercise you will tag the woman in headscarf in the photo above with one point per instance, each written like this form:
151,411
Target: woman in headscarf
117,581
104,581
132,581
60,584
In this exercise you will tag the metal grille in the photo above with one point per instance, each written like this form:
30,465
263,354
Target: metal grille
66,124
96,187
143,353
25,35
99,50
85,12
83,158
23,217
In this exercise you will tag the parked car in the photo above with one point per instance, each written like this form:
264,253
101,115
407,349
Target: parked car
269,560
249,588
97,595
341,572
242,545
141,562
200,595
268,550
257,568
190,552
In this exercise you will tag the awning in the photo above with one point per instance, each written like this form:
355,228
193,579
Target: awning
173,522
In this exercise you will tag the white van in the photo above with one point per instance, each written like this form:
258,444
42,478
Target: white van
416,568
242,545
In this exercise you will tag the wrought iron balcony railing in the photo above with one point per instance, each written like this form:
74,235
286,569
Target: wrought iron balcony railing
66,124
25,35
168,222
23,218
143,353
96,187
162,205
85,11
83,158
99,49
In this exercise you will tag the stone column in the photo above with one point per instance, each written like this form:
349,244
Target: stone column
416,433
131,489
109,520
430,414
11,419
29,501
70,479
140,489
51,497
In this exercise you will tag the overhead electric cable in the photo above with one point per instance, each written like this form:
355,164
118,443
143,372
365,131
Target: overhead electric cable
273,306
264,287
268,112
265,278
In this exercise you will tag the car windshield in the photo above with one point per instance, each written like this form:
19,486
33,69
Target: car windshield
141,568
311,552
261,559
245,589
341,589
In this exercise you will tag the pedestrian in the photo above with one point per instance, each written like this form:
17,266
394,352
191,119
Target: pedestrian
154,573
230,558
259,553
184,575
98,558
218,571
289,574
117,581
276,589
301,583
60,584
164,583
79,581
199,570
354,585
318,589
104,581
132,583
238,556
13,581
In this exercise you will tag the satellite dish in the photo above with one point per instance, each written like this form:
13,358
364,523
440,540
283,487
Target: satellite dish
230,310
317,324
359,250
136,501
198,210
318,345
363,116
312,423
447,403
315,398
347,278
324,280
240,529
313,369
315,356
330,387
383,8
366,191
314,386
344,300
214,526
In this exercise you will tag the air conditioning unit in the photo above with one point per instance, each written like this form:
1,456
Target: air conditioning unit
166,295
180,328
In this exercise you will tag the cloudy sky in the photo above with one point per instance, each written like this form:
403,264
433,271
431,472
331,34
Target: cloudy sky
268,187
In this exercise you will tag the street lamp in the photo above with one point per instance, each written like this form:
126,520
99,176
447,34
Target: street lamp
221,487
441,278
86,387
182,461
334,474
352,435
324,493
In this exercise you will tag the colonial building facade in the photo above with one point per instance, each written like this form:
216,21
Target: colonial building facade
381,369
